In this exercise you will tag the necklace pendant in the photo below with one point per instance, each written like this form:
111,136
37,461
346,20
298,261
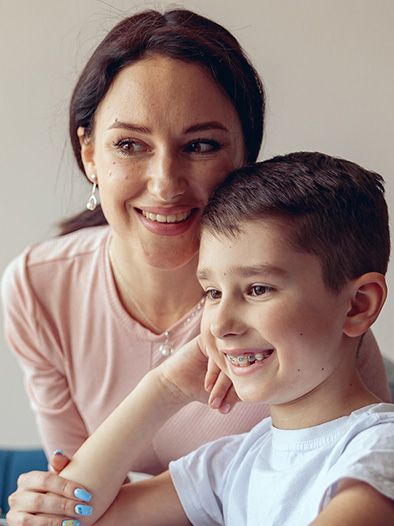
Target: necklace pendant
166,348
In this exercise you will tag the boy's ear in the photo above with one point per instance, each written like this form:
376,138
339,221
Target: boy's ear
87,152
368,294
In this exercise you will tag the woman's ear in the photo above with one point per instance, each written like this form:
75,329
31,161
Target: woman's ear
87,152
368,294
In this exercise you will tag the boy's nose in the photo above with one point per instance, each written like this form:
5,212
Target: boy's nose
227,321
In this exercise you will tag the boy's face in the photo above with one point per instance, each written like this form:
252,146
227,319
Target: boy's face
276,328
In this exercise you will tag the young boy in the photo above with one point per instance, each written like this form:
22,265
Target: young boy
292,262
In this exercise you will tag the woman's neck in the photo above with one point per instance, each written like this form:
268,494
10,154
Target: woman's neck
156,298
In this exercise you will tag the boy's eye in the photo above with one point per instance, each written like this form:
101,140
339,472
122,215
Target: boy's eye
202,146
259,290
213,294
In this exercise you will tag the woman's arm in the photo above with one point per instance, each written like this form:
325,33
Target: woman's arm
33,336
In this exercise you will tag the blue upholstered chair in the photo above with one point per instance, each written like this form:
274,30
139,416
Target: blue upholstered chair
13,462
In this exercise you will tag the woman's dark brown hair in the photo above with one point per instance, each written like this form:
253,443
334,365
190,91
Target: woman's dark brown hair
178,34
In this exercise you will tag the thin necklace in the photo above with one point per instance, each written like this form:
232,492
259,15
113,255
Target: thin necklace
165,348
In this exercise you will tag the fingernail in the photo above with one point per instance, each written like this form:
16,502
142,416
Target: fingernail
225,408
216,403
70,522
81,509
59,452
82,494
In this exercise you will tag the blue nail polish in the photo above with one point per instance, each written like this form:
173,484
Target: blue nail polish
82,509
70,522
82,494
60,452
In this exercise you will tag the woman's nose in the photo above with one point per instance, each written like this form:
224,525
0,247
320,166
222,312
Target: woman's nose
167,180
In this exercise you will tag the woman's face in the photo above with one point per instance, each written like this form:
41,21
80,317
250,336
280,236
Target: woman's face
164,137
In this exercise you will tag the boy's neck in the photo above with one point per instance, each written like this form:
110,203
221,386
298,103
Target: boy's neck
328,402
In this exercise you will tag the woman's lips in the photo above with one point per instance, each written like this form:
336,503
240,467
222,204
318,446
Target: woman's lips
173,223
172,218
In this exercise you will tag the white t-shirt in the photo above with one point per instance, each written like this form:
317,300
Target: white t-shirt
282,477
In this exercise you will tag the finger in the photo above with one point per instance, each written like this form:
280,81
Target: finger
229,401
223,396
211,375
46,503
23,518
59,461
49,482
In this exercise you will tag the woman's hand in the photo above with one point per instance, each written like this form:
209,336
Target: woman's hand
193,375
45,498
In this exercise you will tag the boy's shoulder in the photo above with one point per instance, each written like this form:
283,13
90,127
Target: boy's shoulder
368,428
373,414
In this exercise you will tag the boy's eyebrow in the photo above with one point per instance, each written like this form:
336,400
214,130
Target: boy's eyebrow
203,274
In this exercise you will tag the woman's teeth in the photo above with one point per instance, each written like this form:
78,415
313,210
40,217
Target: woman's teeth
248,359
173,218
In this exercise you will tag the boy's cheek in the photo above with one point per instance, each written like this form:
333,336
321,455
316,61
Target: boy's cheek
206,325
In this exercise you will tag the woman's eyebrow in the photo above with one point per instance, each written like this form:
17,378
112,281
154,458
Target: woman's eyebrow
129,126
203,126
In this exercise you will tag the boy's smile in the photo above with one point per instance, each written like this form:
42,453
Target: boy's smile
269,320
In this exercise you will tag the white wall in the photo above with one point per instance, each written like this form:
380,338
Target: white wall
327,67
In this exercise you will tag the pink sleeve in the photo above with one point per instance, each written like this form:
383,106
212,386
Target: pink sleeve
371,367
34,340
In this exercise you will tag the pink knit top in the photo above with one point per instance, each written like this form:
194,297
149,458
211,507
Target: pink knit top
82,353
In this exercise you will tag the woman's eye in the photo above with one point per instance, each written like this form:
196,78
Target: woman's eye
202,146
259,290
129,146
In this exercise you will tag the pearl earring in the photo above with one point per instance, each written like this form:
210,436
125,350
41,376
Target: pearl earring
92,201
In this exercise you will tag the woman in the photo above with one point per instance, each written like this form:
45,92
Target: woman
164,109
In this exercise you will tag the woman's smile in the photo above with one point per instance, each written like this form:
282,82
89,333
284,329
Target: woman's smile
168,224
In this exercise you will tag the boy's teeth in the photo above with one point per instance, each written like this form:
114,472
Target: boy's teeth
172,218
248,359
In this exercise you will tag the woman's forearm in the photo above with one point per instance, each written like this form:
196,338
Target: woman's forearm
102,462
